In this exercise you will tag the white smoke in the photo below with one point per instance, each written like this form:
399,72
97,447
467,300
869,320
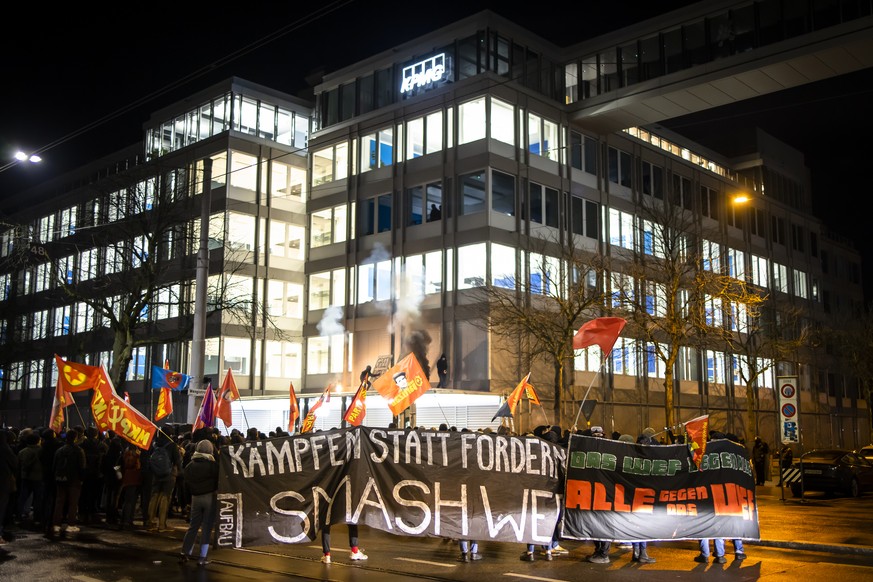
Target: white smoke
331,322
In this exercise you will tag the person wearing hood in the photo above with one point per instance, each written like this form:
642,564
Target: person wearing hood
201,478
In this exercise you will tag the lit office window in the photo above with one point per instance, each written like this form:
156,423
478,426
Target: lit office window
711,256
780,278
424,135
471,270
715,367
471,121
243,176
503,266
713,311
736,264
377,150
330,163
236,355
502,121
621,229
800,285
760,276
288,183
542,137
328,226
318,355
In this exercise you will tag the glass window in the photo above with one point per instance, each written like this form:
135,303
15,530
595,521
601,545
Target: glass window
471,121
503,193
503,266
472,193
471,270
502,121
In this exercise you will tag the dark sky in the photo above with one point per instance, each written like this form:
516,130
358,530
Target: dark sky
86,79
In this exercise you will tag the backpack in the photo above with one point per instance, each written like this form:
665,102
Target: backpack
160,463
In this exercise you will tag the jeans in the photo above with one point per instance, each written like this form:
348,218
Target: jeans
467,546
718,543
325,537
203,508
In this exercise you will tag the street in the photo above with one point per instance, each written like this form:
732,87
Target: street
825,537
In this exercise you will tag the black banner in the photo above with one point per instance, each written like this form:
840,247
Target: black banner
625,492
461,485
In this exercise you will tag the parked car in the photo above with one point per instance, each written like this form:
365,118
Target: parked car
866,452
834,471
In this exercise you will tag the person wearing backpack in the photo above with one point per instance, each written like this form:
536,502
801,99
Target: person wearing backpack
69,469
165,463
92,482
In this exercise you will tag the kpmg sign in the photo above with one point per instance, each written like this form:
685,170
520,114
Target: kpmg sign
424,74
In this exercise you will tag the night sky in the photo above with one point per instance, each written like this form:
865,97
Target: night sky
84,80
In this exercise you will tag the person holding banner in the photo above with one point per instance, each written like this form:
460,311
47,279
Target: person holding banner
601,548
469,551
357,553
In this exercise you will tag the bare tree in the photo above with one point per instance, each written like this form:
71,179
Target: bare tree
853,341
538,315
662,282
129,264
761,333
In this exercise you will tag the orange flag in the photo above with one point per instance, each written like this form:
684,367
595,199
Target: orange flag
62,399
357,410
226,394
402,384
695,432
165,404
309,421
113,413
293,409
507,409
75,377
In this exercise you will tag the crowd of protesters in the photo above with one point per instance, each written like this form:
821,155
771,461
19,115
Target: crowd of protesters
56,482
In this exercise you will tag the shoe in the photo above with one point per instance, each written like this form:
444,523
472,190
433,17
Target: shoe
56,529
183,557
359,555
202,561
72,529
739,556
463,557
720,560
558,551
325,559
527,557
475,557
701,558
598,559
548,556
642,559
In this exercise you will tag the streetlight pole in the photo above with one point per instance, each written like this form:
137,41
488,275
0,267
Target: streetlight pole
198,342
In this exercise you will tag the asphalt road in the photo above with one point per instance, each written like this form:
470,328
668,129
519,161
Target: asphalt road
818,536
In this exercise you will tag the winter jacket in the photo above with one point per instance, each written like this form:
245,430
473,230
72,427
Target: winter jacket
201,474
29,463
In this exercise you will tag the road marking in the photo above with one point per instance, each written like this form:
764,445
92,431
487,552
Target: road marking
87,579
428,562
528,577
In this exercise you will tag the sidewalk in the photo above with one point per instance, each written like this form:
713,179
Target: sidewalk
801,523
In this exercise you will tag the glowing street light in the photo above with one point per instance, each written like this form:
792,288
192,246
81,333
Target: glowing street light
741,199
23,157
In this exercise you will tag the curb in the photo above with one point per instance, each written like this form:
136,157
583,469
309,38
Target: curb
807,546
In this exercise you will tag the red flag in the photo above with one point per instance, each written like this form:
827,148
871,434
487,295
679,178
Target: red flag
507,409
165,404
695,432
357,410
309,421
293,409
402,384
602,332
76,377
206,416
227,394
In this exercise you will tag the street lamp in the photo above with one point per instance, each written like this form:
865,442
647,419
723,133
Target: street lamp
23,157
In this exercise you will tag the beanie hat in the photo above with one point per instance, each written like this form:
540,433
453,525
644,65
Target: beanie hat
597,431
649,432
626,438
204,446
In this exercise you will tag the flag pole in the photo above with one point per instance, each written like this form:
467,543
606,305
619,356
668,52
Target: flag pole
584,398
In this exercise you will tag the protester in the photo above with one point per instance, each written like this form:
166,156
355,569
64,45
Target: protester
760,454
201,478
69,470
50,445
110,467
718,545
442,366
601,548
165,463
92,480
357,553
30,485
469,551
131,482
8,471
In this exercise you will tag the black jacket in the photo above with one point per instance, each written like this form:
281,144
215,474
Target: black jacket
201,475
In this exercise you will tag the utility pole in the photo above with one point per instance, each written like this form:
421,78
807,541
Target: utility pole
198,343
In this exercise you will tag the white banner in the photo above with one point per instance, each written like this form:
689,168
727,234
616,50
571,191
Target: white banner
789,409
